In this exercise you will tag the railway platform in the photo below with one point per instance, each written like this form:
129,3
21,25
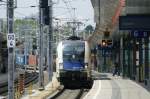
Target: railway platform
107,86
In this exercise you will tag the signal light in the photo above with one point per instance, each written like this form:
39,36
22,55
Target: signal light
104,43
109,42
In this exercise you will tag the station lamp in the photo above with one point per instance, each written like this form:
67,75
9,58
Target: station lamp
104,43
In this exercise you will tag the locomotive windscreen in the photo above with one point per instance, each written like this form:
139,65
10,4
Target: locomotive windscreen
73,55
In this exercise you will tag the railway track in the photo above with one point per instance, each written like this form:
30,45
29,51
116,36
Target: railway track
29,77
70,94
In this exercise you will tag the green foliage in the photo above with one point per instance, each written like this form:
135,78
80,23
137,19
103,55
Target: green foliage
22,22
89,28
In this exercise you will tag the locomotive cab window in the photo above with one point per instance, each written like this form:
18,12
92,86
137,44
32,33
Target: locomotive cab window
73,51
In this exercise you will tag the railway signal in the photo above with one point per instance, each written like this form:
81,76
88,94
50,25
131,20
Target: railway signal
43,3
44,6
106,43
109,43
11,40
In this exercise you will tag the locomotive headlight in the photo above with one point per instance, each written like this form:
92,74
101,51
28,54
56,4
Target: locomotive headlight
86,65
60,65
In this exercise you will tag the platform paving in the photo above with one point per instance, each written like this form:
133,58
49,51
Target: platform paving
109,87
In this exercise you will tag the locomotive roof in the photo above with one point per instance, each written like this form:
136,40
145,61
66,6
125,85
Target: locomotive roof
74,38
65,41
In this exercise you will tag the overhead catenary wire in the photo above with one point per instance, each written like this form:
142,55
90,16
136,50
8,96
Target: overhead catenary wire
32,6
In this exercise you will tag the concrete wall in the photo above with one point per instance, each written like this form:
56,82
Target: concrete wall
137,6
104,10
138,3
96,6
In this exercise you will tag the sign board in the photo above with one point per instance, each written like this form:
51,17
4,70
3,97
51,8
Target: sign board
20,59
134,22
140,34
11,40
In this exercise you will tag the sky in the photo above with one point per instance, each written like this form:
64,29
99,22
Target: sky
80,10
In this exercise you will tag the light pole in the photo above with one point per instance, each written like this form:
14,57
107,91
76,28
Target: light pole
41,74
10,23
50,64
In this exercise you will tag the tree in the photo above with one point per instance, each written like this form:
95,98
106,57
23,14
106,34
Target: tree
89,28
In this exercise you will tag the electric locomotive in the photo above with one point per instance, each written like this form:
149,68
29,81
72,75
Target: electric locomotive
73,61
